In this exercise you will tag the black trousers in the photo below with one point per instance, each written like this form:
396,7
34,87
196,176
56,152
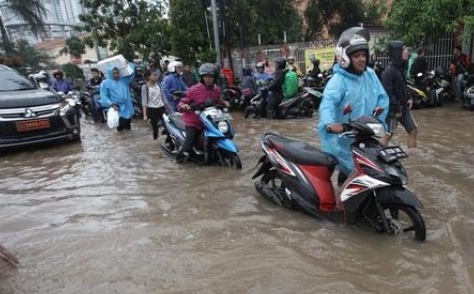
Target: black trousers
155,115
192,138
273,100
124,124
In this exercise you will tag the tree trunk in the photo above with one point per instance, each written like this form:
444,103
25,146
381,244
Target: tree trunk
7,45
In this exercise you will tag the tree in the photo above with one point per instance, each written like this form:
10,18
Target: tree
28,10
128,26
333,15
74,46
190,33
30,56
72,71
411,19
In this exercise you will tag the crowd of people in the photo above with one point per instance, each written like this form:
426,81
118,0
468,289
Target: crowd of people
353,82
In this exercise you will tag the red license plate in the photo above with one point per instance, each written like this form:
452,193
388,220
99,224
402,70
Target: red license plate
32,125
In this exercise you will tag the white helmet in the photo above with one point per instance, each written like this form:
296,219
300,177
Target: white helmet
352,40
173,65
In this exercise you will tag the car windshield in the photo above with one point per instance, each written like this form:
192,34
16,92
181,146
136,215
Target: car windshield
13,81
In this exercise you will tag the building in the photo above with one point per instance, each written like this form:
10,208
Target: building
61,17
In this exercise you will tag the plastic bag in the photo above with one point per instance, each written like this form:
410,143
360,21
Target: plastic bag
112,118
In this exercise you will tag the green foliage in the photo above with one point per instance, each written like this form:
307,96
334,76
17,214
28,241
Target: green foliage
25,56
338,15
28,10
409,20
240,22
271,18
128,26
189,38
72,71
74,46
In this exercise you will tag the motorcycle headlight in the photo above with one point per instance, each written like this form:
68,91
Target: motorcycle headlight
223,126
379,129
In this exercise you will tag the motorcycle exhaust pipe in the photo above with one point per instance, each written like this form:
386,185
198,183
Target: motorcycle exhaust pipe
268,193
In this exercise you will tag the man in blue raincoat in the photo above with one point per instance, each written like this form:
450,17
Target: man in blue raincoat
353,83
115,92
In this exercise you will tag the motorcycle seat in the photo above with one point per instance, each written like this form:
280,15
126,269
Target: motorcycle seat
177,120
301,152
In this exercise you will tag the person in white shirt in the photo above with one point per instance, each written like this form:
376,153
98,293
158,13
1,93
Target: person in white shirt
152,101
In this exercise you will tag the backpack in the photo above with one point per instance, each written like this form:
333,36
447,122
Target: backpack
290,84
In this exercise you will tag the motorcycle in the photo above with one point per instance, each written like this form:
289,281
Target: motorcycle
216,146
302,105
296,175
468,99
90,102
425,91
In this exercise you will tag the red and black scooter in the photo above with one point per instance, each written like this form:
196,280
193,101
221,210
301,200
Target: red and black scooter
297,175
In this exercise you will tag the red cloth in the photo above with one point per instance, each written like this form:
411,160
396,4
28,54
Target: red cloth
198,94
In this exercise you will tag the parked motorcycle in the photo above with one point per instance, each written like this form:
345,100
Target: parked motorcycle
296,175
90,102
468,99
426,92
216,144
302,105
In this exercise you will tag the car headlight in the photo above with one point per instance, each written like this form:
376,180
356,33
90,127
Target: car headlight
379,129
223,126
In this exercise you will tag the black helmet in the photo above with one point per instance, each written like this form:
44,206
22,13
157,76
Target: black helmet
352,40
208,69
280,63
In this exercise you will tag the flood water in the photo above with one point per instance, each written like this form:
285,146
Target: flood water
116,215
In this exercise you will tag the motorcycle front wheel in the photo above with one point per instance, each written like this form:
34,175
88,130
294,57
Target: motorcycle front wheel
404,219
229,159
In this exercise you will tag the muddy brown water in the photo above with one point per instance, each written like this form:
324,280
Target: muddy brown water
115,215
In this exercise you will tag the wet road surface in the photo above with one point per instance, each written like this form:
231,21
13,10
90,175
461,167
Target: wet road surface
115,215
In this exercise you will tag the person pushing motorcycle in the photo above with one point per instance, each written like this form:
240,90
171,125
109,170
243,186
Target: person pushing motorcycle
198,94
354,84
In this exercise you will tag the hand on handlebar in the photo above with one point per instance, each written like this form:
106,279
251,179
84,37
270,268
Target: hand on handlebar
185,107
335,128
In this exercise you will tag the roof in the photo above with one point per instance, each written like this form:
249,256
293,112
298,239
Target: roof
50,44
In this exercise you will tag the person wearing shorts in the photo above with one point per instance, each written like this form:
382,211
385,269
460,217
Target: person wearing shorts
400,104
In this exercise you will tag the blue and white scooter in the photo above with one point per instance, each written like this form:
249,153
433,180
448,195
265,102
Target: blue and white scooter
216,146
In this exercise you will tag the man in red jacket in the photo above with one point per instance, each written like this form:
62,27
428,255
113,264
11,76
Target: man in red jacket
197,95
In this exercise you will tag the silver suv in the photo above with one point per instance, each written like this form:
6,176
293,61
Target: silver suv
30,115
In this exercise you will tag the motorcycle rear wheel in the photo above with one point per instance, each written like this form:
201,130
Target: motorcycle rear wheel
273,180
407,220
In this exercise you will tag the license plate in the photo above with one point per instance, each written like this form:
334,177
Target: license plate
32,125
392,153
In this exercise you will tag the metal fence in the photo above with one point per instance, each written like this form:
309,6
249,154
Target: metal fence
438,53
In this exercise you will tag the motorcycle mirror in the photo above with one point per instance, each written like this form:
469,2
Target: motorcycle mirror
347,109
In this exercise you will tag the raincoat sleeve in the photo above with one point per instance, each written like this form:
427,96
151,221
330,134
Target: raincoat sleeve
332,97
382,100
167,87
105,100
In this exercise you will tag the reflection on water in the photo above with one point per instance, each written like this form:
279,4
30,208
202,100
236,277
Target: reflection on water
115,215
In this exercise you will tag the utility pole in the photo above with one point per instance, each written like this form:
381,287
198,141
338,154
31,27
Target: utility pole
216,32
